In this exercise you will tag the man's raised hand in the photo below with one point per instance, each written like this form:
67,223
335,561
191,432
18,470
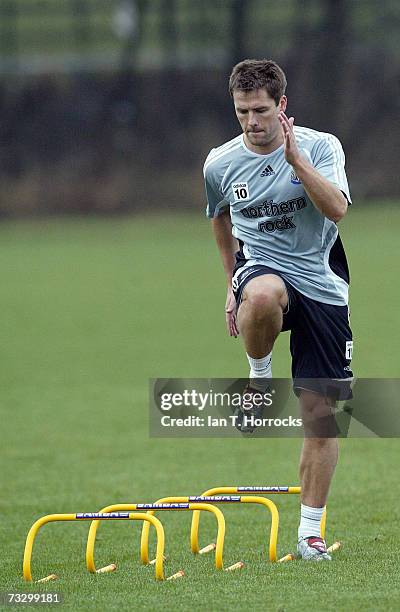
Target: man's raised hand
292,153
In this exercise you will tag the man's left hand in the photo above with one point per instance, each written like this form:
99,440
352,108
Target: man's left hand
292,153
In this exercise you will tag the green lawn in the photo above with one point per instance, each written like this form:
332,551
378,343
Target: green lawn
91,309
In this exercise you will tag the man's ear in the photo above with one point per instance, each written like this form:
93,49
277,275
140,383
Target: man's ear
282,103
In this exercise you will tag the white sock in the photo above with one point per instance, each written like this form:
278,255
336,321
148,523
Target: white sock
310,522
260,369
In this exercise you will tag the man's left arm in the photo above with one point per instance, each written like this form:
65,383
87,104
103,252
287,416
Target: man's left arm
326,196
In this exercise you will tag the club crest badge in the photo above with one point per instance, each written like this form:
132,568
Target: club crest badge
294,178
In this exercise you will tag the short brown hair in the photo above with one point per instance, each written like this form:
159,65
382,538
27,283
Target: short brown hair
255,74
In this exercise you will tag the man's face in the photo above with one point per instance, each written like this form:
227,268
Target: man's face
258,114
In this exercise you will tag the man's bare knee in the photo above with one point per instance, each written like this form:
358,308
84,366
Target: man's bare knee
265,294
262,305
318,415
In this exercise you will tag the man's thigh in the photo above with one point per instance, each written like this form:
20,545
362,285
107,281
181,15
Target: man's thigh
321,346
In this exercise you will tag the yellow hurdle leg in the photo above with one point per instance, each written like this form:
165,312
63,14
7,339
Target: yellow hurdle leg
194,530
143,516
196,507
144,539
264,501
273,534
30,539
94,525
323,525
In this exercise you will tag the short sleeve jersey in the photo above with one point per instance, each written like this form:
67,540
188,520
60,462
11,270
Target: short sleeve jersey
272,216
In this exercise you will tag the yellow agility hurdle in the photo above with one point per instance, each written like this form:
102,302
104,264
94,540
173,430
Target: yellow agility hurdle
194,531
144,543
89,516
151,508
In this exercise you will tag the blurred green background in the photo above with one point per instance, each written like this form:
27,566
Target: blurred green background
93,308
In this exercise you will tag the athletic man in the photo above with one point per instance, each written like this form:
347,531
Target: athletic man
275,194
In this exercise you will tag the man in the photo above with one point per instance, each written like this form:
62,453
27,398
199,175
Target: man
275,194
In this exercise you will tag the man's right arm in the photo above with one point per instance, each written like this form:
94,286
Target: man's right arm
227,246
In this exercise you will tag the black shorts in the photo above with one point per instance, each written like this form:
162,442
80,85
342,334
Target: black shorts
321,340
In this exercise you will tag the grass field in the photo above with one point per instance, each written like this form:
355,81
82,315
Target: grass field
90,310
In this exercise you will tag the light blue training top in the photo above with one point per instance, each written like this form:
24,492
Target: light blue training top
273,218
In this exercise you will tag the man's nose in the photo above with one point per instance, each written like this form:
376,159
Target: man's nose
253,119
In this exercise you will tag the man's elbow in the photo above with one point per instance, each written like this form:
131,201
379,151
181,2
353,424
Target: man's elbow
339,210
